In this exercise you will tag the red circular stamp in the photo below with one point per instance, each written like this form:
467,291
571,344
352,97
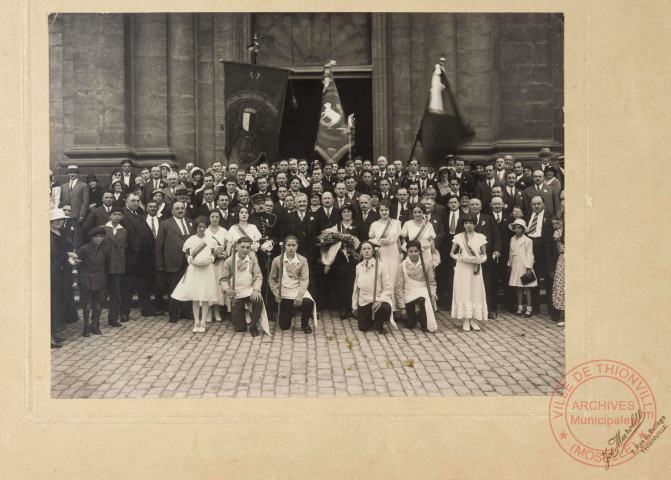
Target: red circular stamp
600,412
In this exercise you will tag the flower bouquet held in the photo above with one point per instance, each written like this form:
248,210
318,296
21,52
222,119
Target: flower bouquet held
330,241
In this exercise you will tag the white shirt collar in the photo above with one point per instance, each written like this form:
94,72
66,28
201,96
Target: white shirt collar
109,224
294,260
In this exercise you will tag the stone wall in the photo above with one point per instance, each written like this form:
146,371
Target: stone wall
150,86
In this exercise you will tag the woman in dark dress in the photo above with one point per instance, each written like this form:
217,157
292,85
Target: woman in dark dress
344,267
443,190
62,297
95,191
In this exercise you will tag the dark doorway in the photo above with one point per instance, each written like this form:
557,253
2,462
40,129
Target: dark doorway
299,125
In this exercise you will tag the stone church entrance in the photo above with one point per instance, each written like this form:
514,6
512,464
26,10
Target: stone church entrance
301,120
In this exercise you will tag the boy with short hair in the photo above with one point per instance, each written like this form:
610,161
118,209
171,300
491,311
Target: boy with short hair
116,240
93,265
241,280
410,290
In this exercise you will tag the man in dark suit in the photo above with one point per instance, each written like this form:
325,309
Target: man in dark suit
484,190
75,193
350,190
400,208
242,201
524,176
436,220
502,219
540,232
424,180
366,185
101,215
341,197
127,175
445,271
170,258
466,180
139,260
182,194
512,196
365,217
304,225
486,226
330,216
549,195
154,183
412,174
226,219
385,189
207,203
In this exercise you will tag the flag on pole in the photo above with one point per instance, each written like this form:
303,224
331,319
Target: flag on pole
443,126
254,99
333,138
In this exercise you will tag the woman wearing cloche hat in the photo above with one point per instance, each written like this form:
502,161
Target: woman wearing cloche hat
521,262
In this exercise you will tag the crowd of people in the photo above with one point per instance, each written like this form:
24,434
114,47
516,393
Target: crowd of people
377,241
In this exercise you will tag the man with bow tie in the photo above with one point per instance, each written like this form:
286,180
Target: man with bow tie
170,259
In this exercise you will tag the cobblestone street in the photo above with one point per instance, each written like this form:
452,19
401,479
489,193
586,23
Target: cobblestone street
152,358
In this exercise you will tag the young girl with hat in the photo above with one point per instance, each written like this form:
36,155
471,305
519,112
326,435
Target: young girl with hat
521,262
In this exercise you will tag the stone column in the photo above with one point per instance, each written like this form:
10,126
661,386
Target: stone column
181,87
150,88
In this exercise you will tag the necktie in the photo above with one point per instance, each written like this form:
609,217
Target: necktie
534,222
453,223
301,216
153,226
328,213
426,217
365,215
490,183
185,230
498,218
538,188
510,191
108,209
72,184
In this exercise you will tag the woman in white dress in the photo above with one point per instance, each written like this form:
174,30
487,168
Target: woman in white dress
422,231
218,234
198,284
469,302
243,229
385,233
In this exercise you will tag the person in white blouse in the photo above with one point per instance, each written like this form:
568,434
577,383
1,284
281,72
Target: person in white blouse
422,231
371,298
218,233
385,233
243,229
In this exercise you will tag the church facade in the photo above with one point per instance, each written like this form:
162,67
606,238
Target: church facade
150,87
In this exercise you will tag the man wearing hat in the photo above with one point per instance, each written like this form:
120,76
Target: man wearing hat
545,155
93,266
127,175
165,170
74,192
182,194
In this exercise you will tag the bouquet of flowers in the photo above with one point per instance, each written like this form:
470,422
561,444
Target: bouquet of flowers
331,241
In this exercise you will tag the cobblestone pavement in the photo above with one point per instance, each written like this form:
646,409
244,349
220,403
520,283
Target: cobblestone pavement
152,358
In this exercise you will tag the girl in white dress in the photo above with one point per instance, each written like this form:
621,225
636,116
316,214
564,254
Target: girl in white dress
218,234
422,231
243,229
521,261
198,284
385,233
469,302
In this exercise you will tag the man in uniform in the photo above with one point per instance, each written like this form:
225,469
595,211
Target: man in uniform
266,224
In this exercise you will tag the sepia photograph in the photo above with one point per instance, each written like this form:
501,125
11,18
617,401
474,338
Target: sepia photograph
289,205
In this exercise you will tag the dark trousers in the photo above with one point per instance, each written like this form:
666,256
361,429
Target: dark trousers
541,273
344,273
268,297
489,276
238,313
93,305
172,279
132,281
287,312
367,320
114,288
159,292
411,311
60,290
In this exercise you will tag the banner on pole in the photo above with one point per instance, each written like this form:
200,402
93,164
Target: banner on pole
443,127
254,99
333,136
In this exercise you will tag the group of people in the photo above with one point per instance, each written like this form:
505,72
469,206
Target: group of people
378,241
